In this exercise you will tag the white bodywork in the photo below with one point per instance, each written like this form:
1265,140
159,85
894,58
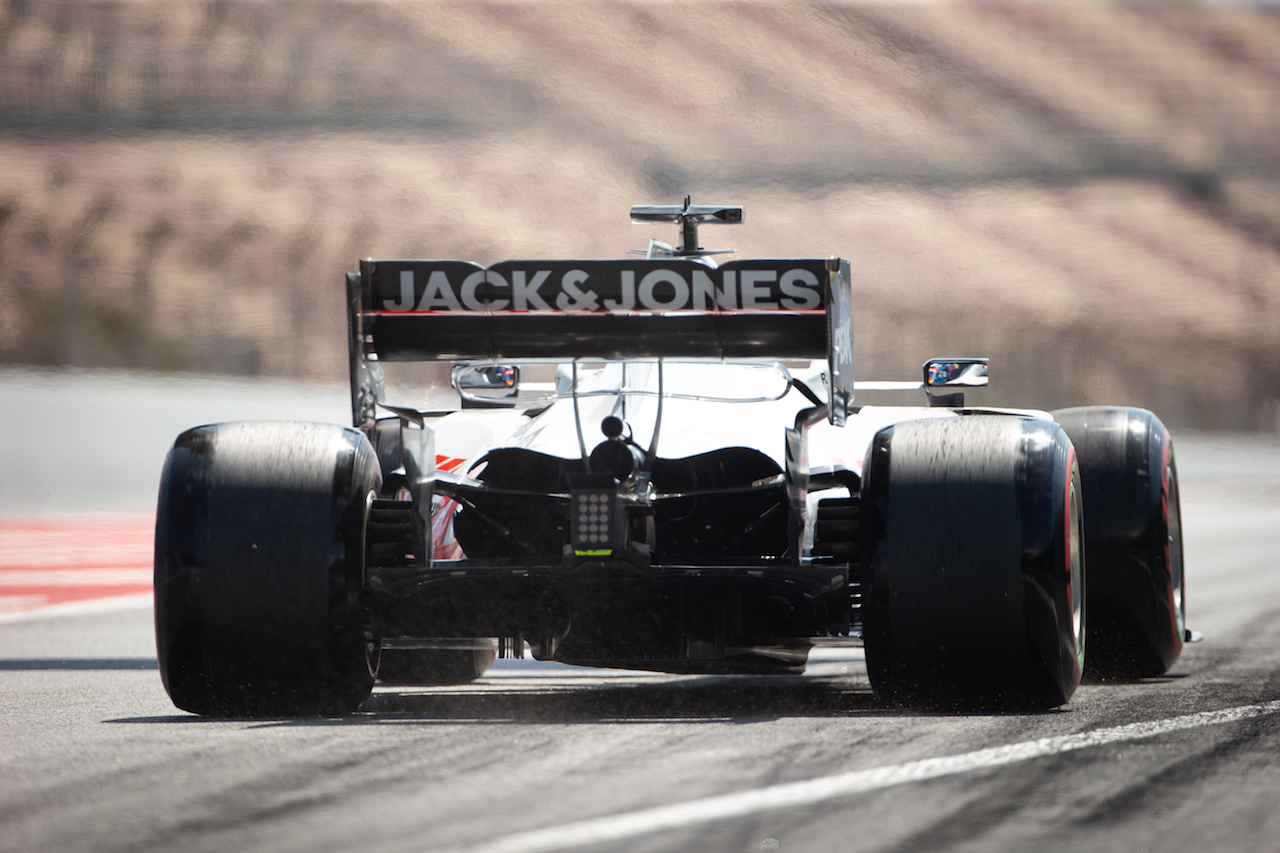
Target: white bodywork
689,426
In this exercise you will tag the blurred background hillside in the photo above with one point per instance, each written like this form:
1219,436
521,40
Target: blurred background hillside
1088,192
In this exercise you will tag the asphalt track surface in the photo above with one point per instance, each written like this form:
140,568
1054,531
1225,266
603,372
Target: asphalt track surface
538,757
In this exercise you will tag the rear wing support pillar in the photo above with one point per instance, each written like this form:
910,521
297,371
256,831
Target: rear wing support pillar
797,475
418,446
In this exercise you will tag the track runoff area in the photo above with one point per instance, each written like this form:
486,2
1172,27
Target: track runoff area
52,566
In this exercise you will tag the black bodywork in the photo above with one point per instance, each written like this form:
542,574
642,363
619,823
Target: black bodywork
708,581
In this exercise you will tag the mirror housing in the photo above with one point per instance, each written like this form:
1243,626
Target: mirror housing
953,373
486,384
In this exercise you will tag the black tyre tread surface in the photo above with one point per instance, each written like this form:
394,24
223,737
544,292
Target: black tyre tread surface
953,508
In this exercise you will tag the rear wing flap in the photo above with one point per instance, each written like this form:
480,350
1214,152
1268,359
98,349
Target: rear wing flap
558,310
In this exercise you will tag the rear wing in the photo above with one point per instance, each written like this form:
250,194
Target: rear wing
560,310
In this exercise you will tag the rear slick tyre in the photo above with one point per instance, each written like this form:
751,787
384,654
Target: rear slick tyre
1133,541
259,570
974,571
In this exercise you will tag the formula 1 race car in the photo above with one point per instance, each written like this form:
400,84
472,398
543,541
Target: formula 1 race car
656,464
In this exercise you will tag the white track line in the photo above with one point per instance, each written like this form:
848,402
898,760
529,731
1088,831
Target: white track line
793,794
